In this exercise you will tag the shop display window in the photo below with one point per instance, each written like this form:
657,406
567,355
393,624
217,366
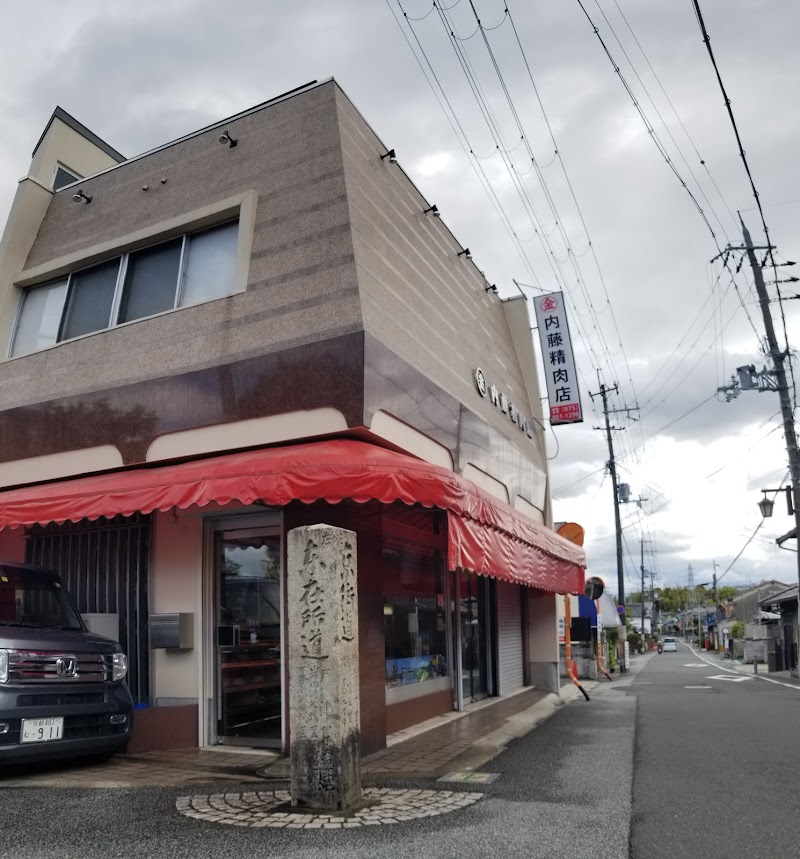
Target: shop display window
415,621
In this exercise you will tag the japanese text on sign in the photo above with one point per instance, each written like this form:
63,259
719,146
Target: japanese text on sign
558,360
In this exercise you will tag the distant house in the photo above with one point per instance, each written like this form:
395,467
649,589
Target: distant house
633,613
747,604
783,649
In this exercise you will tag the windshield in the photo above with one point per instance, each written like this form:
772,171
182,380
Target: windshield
29,598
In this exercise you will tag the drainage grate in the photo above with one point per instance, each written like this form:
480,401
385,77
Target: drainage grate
472,777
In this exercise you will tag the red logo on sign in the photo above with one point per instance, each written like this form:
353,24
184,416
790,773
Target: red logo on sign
548,304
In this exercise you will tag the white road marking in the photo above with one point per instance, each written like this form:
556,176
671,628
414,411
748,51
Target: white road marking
729,678
734,671
698,687
695,665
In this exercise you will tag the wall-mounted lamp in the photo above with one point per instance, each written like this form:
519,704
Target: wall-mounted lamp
492,288
465,253
79,195
434,210
766,505
390,155
225,137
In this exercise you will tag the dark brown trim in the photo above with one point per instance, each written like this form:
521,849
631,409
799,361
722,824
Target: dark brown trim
321,374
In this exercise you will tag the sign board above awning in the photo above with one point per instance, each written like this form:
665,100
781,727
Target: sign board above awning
558,360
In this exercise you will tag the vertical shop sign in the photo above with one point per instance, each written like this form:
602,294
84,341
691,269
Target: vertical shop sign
558,360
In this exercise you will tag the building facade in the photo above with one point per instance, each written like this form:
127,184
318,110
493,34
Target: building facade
255,327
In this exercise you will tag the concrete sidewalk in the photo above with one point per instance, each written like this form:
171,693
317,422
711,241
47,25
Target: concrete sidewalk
454,742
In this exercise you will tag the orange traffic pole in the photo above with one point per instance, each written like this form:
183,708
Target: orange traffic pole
568,645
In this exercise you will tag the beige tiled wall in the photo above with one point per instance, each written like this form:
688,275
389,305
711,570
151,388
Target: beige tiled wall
419,298
301,284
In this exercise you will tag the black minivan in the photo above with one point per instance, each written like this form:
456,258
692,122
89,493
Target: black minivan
62,688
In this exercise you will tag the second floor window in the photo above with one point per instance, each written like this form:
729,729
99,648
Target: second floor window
177,273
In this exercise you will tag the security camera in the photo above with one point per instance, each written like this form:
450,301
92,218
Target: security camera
225,137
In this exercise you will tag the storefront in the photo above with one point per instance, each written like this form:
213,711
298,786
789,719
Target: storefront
444,574
321,350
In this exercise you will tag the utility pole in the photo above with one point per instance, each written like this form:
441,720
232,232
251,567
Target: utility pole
641,630
778,359
716,607
612,468
656,623
643,541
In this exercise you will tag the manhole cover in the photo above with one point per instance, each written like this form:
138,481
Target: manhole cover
471,777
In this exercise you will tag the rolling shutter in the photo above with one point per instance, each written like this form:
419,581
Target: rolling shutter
509,637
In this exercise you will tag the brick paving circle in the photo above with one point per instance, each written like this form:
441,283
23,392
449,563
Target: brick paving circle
257,808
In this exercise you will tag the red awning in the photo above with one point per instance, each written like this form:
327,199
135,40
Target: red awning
486,536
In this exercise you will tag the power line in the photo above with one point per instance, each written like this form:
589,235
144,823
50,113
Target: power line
684,415
558,222
700,158
648,125
462,138
460,132
574,197
655,107
756,196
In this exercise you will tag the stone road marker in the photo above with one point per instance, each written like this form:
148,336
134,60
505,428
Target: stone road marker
324,718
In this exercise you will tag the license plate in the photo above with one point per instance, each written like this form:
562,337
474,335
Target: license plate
42,730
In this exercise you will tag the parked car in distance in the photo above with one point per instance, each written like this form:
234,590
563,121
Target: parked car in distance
670,645
62,688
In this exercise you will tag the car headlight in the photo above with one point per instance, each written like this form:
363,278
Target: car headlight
119,666
3,666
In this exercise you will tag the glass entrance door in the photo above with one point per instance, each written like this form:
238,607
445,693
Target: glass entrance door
249,701
475,636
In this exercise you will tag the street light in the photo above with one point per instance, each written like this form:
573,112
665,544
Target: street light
766,505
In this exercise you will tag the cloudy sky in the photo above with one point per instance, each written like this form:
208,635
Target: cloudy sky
651,314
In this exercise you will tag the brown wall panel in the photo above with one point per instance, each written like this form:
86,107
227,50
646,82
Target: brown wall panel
326,373
406,713
159,728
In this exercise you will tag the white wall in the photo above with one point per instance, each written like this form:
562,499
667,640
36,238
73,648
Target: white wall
176,585
543,638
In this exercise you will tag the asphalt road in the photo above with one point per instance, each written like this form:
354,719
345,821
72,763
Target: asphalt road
717,770
563,793
649,768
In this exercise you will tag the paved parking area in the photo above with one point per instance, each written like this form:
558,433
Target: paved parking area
457,741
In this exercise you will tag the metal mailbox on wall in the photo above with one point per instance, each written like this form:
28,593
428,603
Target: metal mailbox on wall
173,631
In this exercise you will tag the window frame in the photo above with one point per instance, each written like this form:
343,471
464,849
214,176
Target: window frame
119,287
76,177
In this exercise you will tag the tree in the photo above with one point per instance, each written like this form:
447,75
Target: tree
727,592
737,629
